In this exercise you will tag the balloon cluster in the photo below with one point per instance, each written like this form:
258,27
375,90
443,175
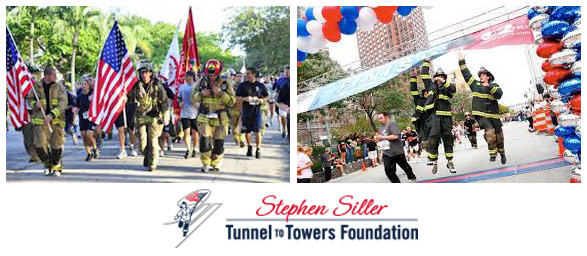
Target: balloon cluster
557,31
322,24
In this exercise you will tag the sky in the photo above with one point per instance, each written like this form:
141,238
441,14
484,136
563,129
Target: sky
508,64
206,19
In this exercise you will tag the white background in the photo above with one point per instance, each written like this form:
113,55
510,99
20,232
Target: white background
454,219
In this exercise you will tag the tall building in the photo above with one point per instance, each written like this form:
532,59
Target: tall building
389,41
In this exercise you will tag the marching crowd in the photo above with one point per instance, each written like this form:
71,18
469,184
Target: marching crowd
201,112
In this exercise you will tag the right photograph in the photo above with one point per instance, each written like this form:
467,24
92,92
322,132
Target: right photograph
439,94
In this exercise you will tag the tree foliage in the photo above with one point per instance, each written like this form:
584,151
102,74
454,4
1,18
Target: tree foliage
263,32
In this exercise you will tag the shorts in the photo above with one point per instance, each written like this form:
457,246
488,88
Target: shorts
189,123
130,118
251,120
413,148
85,124
168,128
373,154
282,113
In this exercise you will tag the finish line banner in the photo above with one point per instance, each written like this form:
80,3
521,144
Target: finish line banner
512,32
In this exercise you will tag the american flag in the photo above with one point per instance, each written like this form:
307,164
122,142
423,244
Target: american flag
115,77
19,82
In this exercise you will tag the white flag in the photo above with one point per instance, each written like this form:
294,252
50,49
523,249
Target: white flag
169,69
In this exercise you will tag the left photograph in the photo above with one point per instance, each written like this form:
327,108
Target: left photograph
144,94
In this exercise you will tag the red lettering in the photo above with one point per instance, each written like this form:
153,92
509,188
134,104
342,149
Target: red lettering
350,206
267,203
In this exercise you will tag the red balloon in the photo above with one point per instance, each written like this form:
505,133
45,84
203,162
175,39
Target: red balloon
547,48
299,63
331,31
385,13
557,75
576,104
546,66
331,13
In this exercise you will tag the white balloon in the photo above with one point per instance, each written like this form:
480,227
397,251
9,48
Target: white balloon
427,7
365,25
367,14
303,43
314,27
318,42
318,14
313,50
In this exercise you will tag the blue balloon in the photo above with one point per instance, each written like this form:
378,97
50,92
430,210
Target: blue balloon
565,13
562,131
531,13
302,56
404,10
555,29
349,12
570,86
310,14
347,27
302,31
573,143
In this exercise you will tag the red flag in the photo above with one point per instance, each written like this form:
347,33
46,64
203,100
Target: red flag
190,60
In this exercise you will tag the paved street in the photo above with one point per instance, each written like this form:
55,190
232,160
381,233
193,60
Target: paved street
237,167
531,158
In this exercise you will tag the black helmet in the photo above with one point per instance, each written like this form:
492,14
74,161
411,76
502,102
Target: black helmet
440,72
145,65
32,68
482,70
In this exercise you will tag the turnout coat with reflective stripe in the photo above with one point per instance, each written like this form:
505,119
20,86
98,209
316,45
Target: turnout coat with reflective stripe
56,105
484,97
439,96
418,99
218,104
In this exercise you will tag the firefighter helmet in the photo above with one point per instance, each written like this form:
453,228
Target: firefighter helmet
482,70
145,66
213,67
440,72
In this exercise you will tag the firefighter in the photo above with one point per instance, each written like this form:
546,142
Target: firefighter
48,101
235,118
486,108
215,96
418,118
439,116
470,126
152,102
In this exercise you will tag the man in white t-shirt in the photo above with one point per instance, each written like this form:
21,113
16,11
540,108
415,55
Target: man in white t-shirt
304,166
189,112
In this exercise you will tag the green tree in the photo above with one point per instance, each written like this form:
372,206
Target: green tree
263,32
77,18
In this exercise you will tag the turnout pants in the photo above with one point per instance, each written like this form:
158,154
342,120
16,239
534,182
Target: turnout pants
212,143
49,144
235,127
440,128
148,142
28,134
493,134
423,133
389,163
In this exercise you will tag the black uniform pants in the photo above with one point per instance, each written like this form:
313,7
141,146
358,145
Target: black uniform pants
389,163
440,128
493,134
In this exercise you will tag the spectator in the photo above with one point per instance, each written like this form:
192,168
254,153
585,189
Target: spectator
327,164
304,165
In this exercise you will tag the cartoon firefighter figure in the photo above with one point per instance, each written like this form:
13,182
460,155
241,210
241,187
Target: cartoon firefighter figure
187,207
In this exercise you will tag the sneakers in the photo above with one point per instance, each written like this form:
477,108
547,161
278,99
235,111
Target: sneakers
95,153
492,158
187,154
194,153
503,159
161,153
434,167
133,152
205,168
57,173
283,134
47,171
451,167
169,147
413,181
89,157
258,153
122,154
250,151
